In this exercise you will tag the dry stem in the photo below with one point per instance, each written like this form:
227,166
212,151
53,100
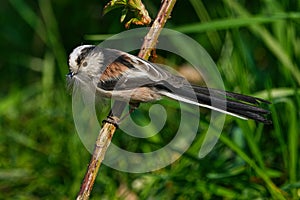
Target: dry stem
108,129
151,38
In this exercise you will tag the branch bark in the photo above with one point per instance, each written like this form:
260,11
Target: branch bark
151,38
102,143
108,129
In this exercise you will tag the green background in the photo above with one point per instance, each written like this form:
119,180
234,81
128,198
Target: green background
256,46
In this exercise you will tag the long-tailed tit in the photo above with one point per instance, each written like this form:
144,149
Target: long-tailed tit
124,77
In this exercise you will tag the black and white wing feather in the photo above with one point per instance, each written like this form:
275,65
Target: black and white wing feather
140,73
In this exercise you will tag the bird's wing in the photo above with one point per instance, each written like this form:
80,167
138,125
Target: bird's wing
127,71
131,72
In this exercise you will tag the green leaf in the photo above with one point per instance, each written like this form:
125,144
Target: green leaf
113,5
141,16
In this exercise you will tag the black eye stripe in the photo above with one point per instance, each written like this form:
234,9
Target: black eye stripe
84,53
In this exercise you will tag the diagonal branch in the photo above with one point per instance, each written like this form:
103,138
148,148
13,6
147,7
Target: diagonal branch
108,129
151,38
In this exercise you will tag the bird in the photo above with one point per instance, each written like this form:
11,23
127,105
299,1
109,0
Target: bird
127,78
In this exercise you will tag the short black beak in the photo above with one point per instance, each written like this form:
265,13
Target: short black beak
70,74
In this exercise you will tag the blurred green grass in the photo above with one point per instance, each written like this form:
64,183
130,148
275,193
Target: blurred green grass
256,47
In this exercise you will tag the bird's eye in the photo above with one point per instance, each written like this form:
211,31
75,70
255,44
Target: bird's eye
84,64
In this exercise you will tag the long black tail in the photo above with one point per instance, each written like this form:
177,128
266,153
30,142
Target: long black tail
238,105
241,105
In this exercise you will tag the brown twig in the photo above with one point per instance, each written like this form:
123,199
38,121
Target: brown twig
102,143
151,38
108,129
